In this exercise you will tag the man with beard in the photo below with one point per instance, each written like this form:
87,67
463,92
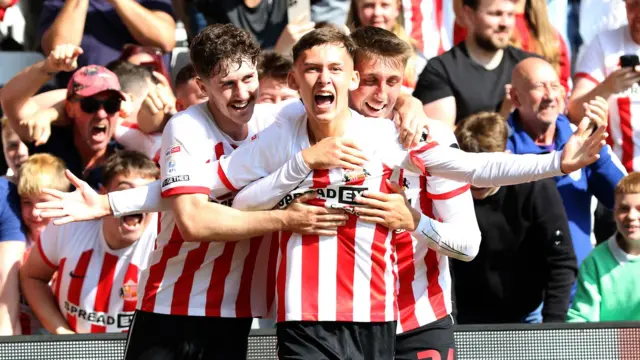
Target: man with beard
471,77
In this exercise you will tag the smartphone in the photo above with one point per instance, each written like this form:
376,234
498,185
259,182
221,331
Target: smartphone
299,11
629,61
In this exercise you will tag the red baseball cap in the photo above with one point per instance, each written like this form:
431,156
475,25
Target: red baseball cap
91,80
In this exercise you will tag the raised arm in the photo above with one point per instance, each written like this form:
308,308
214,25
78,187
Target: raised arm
68,26
149,27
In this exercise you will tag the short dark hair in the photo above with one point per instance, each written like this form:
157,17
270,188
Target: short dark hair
125,162
185,75
327,35
134,79
483,132
218,47
378,42
274,65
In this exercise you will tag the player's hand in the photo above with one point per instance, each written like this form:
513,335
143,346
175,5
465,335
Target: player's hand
621,79
80,205
392,211
291,34
411,122
62,58
305,219
597,110
581,149
158,105
332,153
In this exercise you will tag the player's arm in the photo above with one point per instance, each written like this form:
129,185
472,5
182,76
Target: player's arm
35,276
585,306
501,169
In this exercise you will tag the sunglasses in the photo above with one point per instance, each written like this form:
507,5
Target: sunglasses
91,105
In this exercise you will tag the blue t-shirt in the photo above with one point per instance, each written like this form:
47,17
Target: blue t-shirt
104,32
10,223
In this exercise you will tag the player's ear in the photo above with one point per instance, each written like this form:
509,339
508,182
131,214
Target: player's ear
355,81
291,81
201,85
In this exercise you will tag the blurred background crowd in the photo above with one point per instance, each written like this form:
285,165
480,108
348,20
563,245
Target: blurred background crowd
103,122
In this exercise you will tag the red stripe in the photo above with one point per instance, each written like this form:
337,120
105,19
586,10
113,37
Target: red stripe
221,269
156,273
414,155
75,284
406,273
281,278
438,12
44,257
130,291
378,287
582,75
103,293
184,283
130,125
223,178
219,149
272,269
624,109
243,302
58,280
186,190
449,194
416,23
434,290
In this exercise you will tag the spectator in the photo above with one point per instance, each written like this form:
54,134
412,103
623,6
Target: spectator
40,171
187,90
91,112
599,72
15,151
534,33
273,70
471,77
103,27
526,253
147,56
12,247
608,281
85,299
430,24
538,127
388,14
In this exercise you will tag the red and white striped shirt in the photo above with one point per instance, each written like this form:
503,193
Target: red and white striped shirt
599,60
430,24
96,287
130,136
220,279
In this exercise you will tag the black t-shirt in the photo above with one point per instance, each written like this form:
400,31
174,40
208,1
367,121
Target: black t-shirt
61,144
475,88
526,256
265,22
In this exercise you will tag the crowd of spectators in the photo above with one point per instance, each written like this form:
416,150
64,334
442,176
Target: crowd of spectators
505,75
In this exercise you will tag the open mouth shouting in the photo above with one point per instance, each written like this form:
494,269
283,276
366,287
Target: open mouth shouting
99,131
132,223
324,99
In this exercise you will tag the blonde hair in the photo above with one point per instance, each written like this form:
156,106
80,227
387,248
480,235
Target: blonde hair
544,38
483,132
398,30
42,171
629,184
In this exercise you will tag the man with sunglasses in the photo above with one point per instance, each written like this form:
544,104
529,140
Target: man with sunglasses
83,137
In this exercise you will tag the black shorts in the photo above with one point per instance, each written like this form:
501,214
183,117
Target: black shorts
433,341
177,337
327,340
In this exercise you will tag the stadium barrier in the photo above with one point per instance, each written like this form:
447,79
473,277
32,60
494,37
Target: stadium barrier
595,341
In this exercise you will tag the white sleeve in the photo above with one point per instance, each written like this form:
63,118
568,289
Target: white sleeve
187,148
590,63
482,169
458,234
268,192
265,153
143,199
49,245
133,138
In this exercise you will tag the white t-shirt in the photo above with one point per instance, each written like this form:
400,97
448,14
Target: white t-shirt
96,288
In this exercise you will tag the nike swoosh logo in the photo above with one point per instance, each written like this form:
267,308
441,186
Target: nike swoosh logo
75,276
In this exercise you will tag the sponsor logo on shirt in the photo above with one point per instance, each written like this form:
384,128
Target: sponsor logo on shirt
122,320
129,291
345,194
171,165
172,150
174,179
356,175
